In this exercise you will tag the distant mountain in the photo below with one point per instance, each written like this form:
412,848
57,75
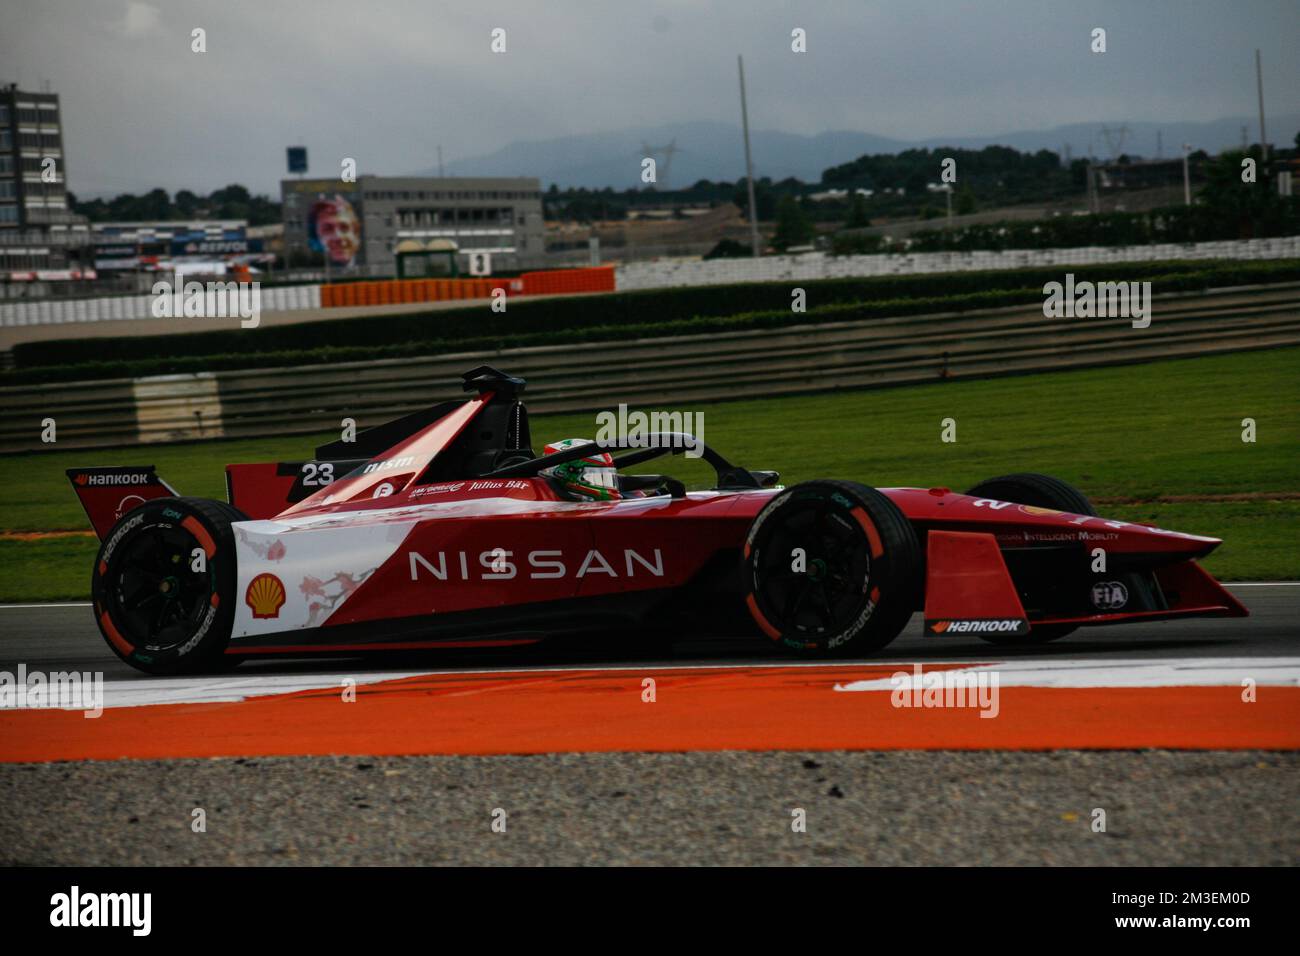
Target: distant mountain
715,151
705,150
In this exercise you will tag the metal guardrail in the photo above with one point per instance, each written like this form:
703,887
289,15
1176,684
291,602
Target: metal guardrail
646,373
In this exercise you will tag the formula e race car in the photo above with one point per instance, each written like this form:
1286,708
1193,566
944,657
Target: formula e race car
444,528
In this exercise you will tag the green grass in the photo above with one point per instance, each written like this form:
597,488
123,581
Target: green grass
1259,537
1161,429
48,569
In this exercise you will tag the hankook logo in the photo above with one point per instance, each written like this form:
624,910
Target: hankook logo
142,479
975,627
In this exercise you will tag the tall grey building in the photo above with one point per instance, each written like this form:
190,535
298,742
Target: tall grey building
32,191
359,225
38,230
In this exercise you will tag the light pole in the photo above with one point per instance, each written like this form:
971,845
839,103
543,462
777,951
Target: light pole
749,164
1094,201
1259,88
1187,180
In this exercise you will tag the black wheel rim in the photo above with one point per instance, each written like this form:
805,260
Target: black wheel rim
828,594
156,599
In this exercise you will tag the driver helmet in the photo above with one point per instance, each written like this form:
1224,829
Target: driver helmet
592,478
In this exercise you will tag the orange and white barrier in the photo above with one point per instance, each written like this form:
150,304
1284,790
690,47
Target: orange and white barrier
285,298
400,291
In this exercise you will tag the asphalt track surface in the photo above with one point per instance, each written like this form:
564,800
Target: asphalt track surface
945,807
64,637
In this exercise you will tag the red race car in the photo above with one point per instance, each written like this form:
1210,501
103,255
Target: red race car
444,528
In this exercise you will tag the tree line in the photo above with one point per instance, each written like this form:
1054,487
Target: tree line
229,202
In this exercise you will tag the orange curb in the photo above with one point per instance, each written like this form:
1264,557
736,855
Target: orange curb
739,708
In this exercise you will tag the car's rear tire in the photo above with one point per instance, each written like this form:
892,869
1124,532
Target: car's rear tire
1036,491
160,606
831,568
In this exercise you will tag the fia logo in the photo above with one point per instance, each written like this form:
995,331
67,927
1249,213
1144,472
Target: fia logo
1109,595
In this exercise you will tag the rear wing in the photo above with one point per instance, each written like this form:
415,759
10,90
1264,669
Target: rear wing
265,489
108,493
258,490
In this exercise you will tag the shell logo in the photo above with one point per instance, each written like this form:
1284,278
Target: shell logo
1039,512
265,595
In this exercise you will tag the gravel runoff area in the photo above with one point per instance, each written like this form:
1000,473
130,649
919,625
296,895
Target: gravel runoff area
894,808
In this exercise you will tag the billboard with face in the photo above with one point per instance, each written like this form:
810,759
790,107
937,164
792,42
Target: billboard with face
334,228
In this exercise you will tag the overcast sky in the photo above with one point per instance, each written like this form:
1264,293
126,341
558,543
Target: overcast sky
386,81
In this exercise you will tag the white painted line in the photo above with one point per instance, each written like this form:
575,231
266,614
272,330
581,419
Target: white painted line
147,691
229,690
209,690
1261,584
68,604
1174,672
1178,672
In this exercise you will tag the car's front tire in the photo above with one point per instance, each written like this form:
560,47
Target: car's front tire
830,568
164,583
1036,491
